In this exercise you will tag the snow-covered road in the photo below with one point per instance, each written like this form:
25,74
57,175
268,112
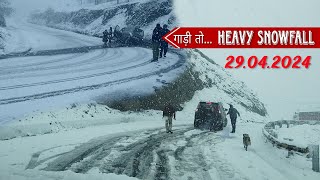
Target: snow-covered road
37,82
26,36
143,150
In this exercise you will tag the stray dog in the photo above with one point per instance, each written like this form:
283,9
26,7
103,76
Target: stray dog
246,141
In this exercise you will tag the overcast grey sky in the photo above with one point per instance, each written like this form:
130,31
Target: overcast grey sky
24,7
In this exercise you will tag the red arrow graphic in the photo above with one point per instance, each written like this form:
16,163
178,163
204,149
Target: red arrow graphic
166,37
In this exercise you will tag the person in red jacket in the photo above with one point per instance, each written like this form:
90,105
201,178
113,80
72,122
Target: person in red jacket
169,112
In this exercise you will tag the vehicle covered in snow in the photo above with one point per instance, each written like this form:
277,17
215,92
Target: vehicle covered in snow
211,116
129,35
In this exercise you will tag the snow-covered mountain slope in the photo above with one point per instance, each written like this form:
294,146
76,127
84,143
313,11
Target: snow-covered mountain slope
144,14
222,86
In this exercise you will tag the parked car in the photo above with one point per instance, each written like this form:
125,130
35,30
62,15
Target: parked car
211,116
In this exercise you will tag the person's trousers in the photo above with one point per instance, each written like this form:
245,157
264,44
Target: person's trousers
163,48
233,124
168,123
155,49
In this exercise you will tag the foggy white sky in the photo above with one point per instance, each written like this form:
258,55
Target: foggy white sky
282,90
24,7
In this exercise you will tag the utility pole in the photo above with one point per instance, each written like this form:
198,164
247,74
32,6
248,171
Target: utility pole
315,158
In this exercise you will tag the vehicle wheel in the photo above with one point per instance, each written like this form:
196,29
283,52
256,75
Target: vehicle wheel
221,127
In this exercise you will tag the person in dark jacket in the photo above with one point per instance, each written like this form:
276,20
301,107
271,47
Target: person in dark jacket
233,112
156,36
110,36
105,37
169,112
163,44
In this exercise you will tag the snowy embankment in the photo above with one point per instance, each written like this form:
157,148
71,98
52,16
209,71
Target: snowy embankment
293,135
301,135
4,39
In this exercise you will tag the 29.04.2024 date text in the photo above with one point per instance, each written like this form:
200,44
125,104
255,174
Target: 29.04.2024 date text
285,62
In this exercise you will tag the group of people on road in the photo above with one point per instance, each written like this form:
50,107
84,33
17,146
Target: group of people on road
169,113
159,45
107,37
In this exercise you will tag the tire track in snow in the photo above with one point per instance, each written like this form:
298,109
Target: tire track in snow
134,155
51,61
35,69
224,170
178,64
91,60
100,58
76,78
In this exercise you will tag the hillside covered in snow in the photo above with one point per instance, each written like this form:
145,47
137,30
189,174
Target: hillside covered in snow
93,21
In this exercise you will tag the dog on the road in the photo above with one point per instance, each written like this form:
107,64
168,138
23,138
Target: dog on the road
246,141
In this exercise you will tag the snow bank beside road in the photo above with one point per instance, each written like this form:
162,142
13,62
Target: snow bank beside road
301,135
4,39
70,118
262,160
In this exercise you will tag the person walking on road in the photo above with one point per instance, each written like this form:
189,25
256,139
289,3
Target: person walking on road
233,112
163,44
156,36
110,36
105,37
169,113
